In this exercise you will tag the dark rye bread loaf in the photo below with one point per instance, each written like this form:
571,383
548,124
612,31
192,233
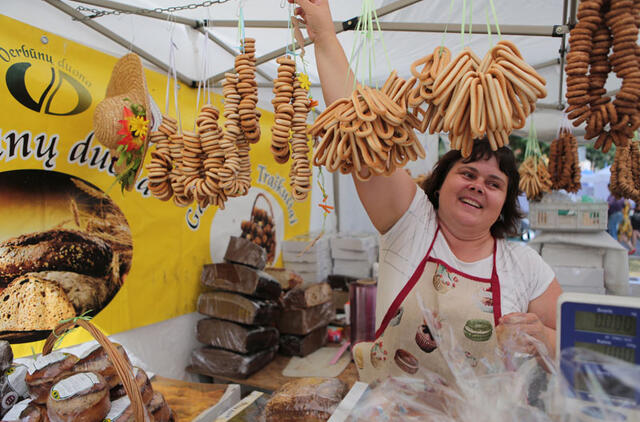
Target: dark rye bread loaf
54,250
240,279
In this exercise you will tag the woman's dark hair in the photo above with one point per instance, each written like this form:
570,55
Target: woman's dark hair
509,222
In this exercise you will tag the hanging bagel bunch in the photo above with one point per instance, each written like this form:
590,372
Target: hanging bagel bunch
535,179
564,165
604,25
370,132
160,166
468,97
601,25
210,164
625,172
289,137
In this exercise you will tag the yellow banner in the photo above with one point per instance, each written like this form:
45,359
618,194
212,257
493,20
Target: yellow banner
62,226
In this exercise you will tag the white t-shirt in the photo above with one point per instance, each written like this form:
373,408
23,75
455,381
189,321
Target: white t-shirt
522,273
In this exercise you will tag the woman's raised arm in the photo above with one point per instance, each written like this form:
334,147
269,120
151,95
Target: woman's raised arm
385,198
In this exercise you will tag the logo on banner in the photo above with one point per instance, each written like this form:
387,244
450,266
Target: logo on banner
42,87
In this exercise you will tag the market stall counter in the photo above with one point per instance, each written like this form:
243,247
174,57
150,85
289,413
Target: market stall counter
192,401
270,378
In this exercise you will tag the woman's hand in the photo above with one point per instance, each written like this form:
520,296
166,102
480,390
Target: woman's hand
317,18
525,333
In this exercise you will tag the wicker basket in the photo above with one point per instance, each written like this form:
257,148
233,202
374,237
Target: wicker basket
124,370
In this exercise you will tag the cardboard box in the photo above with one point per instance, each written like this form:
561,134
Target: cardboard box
370,255
299,243
356,241
588,278
313,255
572,255
358,269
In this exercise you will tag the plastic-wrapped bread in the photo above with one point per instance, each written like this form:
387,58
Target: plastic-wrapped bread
303,321
26,411
305,399
308,295
13,387
291,345
44,371
245,252
237,308
159,409
240,279
81,397
249,409
121,411
235,337
288,279
96,360
211,361
143,383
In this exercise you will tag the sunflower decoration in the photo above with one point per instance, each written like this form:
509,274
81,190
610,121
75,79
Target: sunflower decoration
133,129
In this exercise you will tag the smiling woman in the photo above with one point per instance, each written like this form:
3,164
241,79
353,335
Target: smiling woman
443,248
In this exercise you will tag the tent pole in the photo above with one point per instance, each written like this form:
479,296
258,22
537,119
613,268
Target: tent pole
196,24
395,6
115,38
113,5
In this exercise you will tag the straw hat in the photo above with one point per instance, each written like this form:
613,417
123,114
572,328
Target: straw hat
127,82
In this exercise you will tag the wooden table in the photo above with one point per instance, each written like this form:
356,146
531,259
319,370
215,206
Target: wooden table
190,399
270,377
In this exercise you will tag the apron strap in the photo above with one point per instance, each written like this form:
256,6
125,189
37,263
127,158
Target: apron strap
495,287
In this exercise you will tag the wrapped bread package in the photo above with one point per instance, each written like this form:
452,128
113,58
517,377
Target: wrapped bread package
245,252
237,308
143,383
211,361
44,371
305,399
159,409
308,295
249,409
235,337
303,321
288,279
240,279
80,397
96,360
291,345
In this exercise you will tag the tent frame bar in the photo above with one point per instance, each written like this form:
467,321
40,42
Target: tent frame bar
63,7
385,10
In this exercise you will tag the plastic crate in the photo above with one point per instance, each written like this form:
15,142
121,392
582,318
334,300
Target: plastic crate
568,216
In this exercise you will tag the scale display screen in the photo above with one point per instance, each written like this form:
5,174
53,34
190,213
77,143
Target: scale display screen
595,322
623,353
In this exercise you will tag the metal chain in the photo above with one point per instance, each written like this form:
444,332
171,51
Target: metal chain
96,13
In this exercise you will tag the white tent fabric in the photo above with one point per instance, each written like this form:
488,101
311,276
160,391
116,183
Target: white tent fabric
402,48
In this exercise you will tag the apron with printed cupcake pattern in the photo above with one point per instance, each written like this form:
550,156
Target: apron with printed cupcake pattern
403,343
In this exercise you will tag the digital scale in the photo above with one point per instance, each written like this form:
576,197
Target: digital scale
609,325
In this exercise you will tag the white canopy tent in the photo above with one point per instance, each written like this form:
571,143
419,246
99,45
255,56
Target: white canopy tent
411,29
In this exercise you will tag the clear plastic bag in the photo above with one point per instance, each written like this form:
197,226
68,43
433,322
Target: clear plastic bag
520,383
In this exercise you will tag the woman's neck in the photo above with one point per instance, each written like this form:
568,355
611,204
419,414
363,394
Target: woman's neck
468,246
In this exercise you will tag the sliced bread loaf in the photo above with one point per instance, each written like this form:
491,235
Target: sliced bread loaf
30,303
